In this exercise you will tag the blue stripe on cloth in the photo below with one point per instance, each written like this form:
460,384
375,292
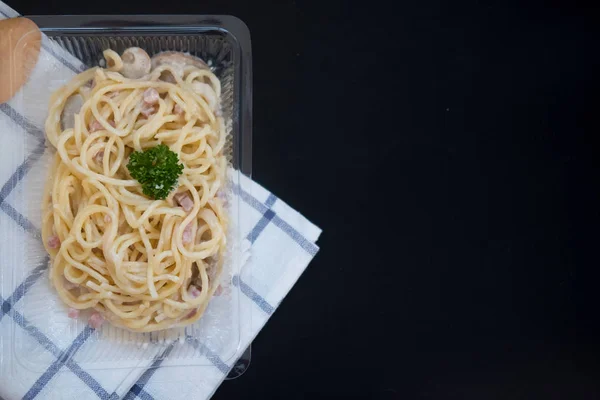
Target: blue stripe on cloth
139,392
22,121
249,199
264,220
66,63
251,293
47,344
20,219
22,169
23,287
260,226
307,245
211,355
271,200
4,307
35,332
88,380
141,382
10,185
56,365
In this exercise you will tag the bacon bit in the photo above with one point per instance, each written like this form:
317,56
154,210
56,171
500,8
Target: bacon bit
191,313
187,234
53,242
96,320
147,110
107,218
219,290
178,109
193,291
151,96
185,201
95,126
73,313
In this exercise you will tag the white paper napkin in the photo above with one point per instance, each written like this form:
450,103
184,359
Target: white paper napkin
280,244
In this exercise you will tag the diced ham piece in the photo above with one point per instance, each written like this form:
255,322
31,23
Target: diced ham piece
53,242
150,96
185,201
178,109
96,320
95,126
147,110
187,234
73,313
194,291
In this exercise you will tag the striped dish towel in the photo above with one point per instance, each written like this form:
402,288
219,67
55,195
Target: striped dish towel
280,244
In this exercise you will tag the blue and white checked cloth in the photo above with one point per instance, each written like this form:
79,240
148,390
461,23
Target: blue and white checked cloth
281,244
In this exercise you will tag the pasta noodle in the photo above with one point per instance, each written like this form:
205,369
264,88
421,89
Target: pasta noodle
142,264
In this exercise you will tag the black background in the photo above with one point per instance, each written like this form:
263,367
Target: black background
447,151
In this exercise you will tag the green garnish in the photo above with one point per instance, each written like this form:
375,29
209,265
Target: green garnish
157,169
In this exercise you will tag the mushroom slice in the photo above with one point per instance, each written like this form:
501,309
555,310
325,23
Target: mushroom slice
177,61
136,63
72,107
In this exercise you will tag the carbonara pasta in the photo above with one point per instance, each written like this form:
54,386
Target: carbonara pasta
143,264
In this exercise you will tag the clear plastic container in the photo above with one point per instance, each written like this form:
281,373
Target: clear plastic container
224,43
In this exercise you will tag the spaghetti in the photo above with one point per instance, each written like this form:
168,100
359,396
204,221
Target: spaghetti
140,263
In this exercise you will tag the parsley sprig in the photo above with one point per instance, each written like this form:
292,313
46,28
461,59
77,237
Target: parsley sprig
157,169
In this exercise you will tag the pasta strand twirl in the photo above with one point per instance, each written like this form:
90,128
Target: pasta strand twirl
142,264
